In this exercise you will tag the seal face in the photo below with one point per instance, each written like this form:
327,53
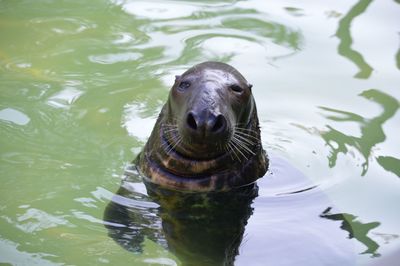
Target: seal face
207,136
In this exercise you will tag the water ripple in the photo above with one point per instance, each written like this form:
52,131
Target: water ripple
203,32
160,10
64,98
34,220
114,58
12,254
62,25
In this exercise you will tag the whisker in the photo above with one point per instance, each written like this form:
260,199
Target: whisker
242,138
178,140
228,151
248,132
165,146
172,144
246,135
249,135
237,148
170,126
230,144
245,129
243,148
243,145
174,139
171,130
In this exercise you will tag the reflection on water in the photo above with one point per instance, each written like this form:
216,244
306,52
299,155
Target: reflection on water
356,229
344,35
371,131
278,33
398,56
390,164
398,59
200,228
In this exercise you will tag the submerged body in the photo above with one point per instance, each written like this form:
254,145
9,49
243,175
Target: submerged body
198,228
207,136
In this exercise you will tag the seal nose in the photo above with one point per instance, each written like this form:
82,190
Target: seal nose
206,123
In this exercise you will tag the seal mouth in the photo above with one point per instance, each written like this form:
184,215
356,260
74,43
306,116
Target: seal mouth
240,144
189,148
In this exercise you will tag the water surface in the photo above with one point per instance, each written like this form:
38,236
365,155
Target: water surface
81,85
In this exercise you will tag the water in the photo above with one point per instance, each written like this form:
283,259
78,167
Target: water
81,85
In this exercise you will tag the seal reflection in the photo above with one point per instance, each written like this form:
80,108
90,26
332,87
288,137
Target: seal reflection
199,228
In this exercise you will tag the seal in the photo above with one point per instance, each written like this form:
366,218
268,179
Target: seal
207,136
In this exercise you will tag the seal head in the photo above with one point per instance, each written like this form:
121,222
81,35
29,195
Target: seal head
207,136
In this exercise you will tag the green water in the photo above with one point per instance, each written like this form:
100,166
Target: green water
82,82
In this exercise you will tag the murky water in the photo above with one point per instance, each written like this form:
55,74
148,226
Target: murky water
82,83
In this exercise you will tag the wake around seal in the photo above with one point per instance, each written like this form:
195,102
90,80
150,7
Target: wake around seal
207,136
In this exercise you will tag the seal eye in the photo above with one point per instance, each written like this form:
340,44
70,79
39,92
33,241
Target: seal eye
184,85
236,88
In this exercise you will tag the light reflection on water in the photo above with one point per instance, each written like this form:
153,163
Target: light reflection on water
81,85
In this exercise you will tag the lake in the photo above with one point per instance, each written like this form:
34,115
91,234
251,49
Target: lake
82,83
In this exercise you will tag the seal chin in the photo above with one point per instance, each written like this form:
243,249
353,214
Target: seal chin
203,151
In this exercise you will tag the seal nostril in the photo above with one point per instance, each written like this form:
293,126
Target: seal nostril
219,123
191,121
